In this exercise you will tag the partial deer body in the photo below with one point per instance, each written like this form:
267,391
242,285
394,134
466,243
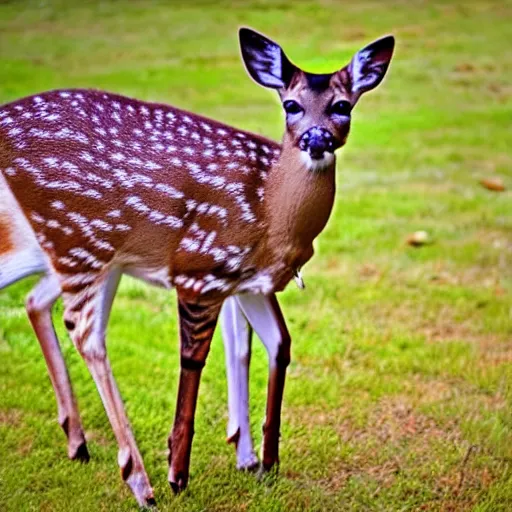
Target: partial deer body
95,185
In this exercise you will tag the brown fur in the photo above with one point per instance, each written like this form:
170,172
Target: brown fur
6,243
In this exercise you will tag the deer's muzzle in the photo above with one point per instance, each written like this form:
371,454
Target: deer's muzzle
316,141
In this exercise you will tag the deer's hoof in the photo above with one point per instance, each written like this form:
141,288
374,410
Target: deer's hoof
178,486
81,454
150,504
250,463
251,468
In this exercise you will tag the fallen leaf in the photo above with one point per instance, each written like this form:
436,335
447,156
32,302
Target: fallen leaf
369,270
496,184
465,67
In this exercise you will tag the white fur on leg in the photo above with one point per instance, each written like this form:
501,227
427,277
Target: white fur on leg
44,295
260,314
236,335
20,264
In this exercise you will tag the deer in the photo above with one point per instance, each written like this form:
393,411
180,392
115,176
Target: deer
95,185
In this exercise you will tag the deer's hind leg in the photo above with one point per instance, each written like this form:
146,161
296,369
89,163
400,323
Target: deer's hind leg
88,299
21,256
39,306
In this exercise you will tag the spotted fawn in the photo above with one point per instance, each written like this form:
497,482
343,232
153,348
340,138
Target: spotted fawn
94,185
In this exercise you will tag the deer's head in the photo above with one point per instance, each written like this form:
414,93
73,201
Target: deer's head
318,107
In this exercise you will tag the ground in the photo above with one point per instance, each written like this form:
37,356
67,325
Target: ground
399,393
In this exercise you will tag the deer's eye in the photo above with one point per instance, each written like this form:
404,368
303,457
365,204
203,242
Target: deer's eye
341,108
292,107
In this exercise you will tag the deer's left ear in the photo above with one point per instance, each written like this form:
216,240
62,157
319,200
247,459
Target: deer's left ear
265,60
369,65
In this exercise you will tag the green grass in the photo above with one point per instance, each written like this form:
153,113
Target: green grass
399,394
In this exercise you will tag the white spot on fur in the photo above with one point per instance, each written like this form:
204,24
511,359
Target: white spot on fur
103,226
170,191
208,242
189,244
87,157
14,131
68,262
86,257
118,157
58,205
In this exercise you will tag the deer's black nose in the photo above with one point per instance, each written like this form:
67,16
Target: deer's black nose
316,141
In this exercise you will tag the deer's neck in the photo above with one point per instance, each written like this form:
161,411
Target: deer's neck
300,201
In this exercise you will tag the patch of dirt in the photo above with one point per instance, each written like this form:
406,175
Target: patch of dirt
436,324
370,271
446,330
25,447
397,439
465,67
395,419
11,417
493,351
426,392
439,325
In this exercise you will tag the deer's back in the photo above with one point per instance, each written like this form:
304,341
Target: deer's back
103,179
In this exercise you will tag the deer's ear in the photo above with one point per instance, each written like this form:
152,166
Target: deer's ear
265,60
369,65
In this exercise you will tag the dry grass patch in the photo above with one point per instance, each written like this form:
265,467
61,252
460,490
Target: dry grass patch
11,417
397,442
494,351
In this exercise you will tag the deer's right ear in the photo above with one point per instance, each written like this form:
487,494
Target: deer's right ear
265,60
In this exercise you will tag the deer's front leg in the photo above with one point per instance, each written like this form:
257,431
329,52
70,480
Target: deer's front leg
197,324
237,335
265,316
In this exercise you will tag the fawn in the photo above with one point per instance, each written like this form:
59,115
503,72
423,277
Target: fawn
94,185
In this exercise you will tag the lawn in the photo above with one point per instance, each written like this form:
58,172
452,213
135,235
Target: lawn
400,388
